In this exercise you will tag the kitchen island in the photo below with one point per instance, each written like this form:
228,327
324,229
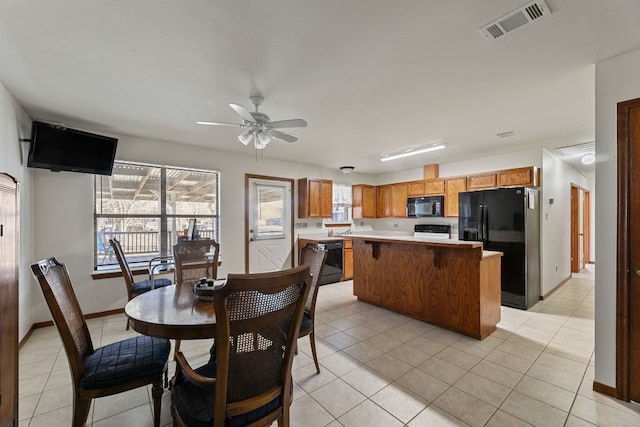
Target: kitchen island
450,283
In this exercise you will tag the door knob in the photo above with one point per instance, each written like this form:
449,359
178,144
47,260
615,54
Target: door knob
638,271
251,239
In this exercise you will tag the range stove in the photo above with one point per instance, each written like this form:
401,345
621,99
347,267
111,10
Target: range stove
432,231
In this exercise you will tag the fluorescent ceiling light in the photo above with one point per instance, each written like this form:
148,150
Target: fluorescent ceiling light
412,153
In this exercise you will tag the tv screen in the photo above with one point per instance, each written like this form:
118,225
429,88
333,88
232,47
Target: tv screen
63,149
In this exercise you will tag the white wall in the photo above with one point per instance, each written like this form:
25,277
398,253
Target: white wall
15,124
64,214
555,220
616,81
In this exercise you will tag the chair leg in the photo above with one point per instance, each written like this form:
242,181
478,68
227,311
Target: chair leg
312,338
156,393
127,324
80,410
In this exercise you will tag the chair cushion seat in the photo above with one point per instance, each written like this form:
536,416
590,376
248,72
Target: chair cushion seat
125,361
145,285
195,404
307,324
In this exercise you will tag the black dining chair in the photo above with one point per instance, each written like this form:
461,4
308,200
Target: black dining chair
248,382
99,372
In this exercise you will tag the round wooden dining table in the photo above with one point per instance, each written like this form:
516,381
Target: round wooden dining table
172,312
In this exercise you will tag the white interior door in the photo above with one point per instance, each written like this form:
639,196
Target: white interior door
270,242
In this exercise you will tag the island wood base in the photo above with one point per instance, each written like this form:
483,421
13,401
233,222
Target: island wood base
456,286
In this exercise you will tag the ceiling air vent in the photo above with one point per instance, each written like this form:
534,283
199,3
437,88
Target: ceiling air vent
518,18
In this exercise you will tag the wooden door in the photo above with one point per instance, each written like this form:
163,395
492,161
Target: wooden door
9,214
586,228
628,253
574,230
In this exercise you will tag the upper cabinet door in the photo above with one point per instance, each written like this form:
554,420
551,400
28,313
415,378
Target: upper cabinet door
383,201
481,181
415,188
399,200
525,177
453,186
315,198
363,201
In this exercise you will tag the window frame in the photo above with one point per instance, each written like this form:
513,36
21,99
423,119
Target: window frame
164,245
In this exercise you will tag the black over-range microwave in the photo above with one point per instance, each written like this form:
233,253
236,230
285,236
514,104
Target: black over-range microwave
425,206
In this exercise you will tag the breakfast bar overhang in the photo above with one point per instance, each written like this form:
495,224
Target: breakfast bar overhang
453,284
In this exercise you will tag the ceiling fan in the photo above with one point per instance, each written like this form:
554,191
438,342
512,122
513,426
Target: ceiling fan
258,125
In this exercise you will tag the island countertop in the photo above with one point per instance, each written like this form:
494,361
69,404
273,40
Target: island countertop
450,283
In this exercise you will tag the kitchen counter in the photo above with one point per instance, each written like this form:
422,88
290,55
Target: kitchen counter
450,283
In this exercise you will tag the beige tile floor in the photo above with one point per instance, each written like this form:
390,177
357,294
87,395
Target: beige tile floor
383,369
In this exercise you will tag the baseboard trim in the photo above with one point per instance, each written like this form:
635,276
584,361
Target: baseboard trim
26,337
86,316
605,389
558,286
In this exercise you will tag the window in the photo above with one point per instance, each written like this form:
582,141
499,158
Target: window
148,207
270,212
341,203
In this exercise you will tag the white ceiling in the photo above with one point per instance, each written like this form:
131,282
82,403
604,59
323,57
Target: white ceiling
369,76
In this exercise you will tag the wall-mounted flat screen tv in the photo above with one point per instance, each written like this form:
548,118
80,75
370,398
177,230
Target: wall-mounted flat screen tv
62,149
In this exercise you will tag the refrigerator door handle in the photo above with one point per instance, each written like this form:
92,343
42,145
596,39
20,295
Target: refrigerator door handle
485,228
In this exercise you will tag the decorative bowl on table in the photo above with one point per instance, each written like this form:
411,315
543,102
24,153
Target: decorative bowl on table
205,288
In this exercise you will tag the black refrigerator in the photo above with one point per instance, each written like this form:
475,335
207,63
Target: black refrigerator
507,220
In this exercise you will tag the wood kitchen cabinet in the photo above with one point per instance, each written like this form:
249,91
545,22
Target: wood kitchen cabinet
415,188
391,200
363,201
434,186
347,259
383,201
315,198
453,186
481,181
526,177
399,200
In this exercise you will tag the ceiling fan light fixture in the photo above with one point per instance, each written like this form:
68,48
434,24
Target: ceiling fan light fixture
588,159
245,137
264,138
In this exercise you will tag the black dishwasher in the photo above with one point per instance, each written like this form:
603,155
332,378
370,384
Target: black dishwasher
333,267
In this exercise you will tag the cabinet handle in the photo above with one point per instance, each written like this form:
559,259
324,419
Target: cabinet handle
638,271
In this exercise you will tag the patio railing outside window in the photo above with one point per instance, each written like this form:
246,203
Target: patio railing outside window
147,208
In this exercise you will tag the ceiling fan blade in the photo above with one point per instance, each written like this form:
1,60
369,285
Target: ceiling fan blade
293,123
281,135
219,124
246,115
